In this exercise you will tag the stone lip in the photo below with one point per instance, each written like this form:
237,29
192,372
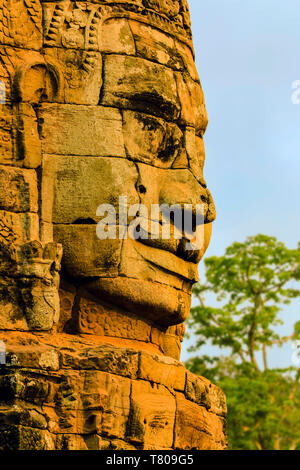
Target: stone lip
61,387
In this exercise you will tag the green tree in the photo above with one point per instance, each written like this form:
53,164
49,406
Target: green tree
251,284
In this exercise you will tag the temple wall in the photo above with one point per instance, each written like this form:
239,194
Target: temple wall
98,100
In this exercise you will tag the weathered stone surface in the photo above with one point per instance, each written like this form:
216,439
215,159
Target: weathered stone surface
101,100
138,84
97,258
106,358
29,146
151,140
90,402
75,196
161,303
155,45
86,394
119,29
92,130
196,428
203,392
164,371
187,56
81,74
21,24
19,140
103,320
19,192
12,313
22,416
18,227
193,111
172,341
152,416
25,438
6,134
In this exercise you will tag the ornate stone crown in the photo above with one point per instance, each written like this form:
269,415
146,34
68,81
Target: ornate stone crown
171,16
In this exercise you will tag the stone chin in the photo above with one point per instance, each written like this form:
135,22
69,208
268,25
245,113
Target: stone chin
159,303
154,284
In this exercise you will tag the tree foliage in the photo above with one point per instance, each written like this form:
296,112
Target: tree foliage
251,284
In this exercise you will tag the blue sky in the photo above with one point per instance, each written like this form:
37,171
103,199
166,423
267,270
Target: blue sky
248,56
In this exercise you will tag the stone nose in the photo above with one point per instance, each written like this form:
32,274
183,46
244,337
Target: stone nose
174,187
182,189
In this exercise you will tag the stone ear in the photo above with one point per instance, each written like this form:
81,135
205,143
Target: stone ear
37,81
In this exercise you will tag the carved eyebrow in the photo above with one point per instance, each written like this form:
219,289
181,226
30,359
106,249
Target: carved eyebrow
155,102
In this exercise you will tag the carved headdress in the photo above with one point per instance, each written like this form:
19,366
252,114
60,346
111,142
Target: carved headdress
171,16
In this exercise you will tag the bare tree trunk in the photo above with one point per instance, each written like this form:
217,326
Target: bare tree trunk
252,332
265,357
252,345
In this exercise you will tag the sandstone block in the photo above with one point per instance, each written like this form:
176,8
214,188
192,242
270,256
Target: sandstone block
138,84
79,242
172,341
114,395
196,154
90,402
160,303
79,185
101,319
25,438
152,416
193,110
187,57
196,428
80,72
24,415
18,228
11,312
123,40
151,140
202,391
197,390
28,140
18,190
119,361
81,130
162,370
71,442
31,356
154,45
6,134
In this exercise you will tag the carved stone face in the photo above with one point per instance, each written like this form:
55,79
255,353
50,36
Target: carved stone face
129,123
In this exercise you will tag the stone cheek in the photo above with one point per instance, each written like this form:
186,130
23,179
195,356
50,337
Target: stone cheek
88,132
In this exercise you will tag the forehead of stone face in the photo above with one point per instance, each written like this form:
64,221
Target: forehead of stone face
148,70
